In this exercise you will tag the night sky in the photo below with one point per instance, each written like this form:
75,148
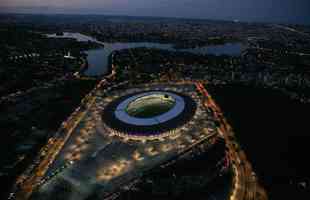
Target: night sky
287,11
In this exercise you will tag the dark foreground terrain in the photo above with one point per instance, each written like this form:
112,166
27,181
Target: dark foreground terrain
27,123
273,130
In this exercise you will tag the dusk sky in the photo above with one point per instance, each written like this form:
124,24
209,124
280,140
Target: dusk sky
290,11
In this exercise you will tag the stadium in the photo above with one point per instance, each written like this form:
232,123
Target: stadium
148,113
127,131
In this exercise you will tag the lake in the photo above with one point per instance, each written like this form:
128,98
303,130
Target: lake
98,58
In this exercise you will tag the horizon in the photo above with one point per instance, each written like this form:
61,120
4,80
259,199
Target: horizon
274,11
150,16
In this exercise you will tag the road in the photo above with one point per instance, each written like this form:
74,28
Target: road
54,147
245,182
291,29
277,51
30,180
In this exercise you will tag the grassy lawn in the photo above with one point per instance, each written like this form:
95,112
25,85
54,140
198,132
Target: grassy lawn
150,106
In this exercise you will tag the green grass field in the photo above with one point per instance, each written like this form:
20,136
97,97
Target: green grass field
150,106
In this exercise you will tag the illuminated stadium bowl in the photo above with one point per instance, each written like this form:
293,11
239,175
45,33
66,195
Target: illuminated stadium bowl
150,113
150,105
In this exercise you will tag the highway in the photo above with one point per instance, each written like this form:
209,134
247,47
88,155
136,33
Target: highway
291,29
31,179
278,51
246,186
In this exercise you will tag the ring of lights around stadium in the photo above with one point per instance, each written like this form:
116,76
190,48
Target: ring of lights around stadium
118,120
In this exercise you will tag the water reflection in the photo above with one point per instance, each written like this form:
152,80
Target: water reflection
98,58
